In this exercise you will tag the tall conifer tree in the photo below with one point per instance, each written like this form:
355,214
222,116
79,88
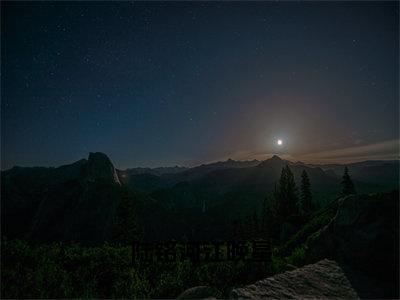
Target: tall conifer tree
347,183
286,195
306,205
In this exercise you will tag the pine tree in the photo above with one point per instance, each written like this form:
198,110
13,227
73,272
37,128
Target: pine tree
347,183
306,205
286,195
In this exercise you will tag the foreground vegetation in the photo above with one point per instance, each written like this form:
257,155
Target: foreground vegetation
70,271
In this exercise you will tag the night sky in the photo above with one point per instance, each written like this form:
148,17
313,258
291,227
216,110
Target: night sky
159,84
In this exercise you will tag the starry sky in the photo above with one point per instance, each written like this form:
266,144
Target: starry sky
183,83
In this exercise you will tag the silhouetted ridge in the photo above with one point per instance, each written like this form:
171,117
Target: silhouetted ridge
273,161
275,157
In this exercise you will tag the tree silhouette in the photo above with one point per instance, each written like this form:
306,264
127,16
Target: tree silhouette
306,205
286,195
347,183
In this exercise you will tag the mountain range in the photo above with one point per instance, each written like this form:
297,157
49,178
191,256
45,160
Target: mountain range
80,201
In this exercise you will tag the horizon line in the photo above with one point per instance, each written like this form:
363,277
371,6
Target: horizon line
283,157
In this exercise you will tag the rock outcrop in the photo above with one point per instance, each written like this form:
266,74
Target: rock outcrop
355,255
364,235
99,166
72,202
322,280
200,292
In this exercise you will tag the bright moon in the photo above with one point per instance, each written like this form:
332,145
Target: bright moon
279,142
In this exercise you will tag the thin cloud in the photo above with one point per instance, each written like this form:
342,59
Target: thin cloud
250,155
379,151
382,150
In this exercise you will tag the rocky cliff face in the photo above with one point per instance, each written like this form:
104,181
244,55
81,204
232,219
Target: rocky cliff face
322,280
99,166
364,235
71,202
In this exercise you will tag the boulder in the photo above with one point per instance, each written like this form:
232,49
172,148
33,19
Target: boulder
200,292
324,279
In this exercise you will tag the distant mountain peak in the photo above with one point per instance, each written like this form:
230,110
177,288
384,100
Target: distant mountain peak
275,157
275,160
